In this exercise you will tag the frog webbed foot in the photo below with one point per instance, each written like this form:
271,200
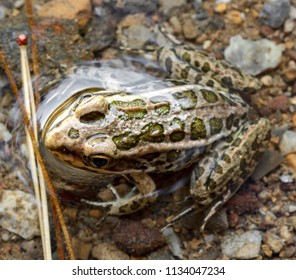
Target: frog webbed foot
136,199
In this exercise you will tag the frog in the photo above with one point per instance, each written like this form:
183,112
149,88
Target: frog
200,122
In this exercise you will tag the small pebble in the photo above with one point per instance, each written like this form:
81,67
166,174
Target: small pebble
288,142
280,102
292,221
244,246
5,135
70,213
190,29
235,17
175,22
136,6
290,75
292,208
292,13
269,218
286,233
233,219
264,196
289,25
275,12
138,36
291,54
79,11
18,4
288,252
289,45
81,249
286,179
266,80
206,44
267,250
96,213
168,7
273,241
221,8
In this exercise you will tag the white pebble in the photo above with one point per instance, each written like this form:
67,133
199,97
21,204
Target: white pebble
5,135
289,25
19,213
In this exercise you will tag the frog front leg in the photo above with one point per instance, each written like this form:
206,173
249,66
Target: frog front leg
137,199
221,172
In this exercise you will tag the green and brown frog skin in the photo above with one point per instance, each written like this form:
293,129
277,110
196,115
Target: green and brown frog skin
200,122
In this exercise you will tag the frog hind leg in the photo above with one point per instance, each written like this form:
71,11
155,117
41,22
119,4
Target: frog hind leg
200,68
221,172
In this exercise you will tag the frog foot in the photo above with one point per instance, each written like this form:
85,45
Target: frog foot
135,200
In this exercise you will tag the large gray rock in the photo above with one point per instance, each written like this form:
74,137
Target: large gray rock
254,57
18,213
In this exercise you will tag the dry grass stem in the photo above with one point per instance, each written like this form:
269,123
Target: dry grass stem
52,192
36,172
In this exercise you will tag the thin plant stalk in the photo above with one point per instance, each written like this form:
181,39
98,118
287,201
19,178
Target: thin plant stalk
37,176
32,26
52,192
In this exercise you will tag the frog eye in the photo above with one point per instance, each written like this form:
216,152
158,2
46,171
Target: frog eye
97,161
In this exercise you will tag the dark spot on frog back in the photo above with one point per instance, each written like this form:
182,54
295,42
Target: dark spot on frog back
186,57
216,125
153,132
198,129
209,96
227,82
229,121
168,65
206,67
126,141
210,83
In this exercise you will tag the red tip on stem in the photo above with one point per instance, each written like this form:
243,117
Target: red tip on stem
22,39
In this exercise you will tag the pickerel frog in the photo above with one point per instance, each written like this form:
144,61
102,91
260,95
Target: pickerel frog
200,121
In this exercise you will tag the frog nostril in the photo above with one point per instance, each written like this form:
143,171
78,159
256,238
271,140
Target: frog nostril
92,117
